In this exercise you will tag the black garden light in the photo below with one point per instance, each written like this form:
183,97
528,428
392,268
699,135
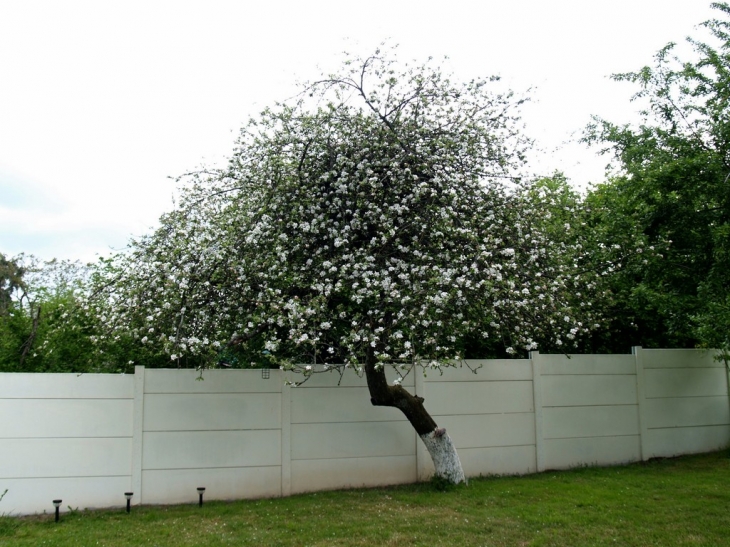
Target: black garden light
201,489
129,495
57,505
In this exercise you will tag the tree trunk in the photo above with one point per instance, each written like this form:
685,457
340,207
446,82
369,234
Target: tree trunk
438,443
33,332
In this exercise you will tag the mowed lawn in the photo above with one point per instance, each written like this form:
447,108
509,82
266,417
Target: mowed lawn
683,501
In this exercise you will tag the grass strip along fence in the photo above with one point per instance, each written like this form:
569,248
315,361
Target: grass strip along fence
681,501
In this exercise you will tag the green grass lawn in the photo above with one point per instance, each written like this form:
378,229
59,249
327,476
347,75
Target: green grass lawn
683,501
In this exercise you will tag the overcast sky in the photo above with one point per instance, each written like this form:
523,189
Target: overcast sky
102,101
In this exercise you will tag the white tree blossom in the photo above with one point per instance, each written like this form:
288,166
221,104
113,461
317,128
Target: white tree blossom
375,221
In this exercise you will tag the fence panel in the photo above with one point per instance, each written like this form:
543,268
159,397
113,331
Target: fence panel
340,440
590,412
686,403
65,436
489,415
221,432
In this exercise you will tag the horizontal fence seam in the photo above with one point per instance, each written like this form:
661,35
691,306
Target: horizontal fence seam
73,437
209,430
145,469
516,413
587,374
598,405
394,421
276,392
663,427
66,477
19,398
527,445
624,435
686,397
411,455
477,381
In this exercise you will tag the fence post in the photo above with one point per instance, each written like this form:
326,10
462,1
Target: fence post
636,351
137,433
285,435
537,397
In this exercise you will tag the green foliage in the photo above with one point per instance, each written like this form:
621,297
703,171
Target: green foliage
672,192
584,230
630,303
442,484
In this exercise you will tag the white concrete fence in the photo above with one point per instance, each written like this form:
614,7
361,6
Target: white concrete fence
89,438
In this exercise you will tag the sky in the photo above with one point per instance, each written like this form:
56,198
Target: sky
103,103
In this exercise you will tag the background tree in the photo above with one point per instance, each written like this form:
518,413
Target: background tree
672,190
376,222
11,282
40,327
14,326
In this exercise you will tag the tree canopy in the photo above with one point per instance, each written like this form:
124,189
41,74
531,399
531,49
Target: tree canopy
672,189
378,220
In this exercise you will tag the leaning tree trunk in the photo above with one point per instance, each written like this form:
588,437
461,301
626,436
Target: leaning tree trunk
438,443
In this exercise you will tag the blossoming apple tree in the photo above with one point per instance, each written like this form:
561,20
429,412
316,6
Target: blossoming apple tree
376,221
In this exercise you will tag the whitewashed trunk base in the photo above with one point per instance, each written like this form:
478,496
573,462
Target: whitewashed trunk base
444,456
